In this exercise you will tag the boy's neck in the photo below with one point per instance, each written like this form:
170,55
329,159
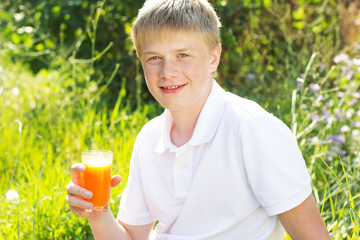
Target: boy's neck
183,128
184,123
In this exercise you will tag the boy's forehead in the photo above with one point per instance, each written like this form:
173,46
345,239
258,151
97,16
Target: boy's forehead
172,37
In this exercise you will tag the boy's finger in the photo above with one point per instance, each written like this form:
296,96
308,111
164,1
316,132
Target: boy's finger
76,190
115,180
76,170
77,202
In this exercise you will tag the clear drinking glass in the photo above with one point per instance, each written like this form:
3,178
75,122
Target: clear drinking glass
97,177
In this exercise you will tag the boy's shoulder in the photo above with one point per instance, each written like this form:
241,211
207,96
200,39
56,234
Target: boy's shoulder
242,106
152,130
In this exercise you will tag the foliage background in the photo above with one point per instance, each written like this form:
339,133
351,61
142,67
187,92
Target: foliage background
70,80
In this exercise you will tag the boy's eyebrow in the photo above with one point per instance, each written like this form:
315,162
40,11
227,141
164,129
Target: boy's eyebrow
175,50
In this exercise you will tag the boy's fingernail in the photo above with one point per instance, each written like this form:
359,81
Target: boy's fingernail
88,194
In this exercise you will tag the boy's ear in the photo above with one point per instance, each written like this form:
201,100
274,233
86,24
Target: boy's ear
215,58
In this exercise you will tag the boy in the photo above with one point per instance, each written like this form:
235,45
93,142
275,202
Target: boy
213,165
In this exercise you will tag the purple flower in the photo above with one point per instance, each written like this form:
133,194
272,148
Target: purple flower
299,84
349,74
352,102
250,76
357,47
339,115
356,95
326,114
314,87
314,117
337,139
304,106
322,66
340,94
328,158
356,124
343,69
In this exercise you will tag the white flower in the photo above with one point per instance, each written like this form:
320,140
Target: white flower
15,91
12,195
341,58
345,128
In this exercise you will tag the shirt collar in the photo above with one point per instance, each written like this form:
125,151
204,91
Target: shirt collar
206,125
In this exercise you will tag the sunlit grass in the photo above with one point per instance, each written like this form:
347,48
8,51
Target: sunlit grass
43,129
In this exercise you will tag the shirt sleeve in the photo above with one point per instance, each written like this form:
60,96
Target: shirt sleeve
274,164
133,208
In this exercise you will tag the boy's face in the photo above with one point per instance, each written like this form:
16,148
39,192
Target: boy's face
179,70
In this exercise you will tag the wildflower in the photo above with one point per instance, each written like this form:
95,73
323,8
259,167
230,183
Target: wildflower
356,61
356,95
313,140
349,113
356,124
345,128
15,91
322,66
341,58
352,102
340,94
250,76
337,139
343,69
349,74
12,195
19,16
328,158
314,117
314,87
355,133
326,114
357,47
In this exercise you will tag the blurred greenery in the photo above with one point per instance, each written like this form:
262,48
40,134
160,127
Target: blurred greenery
263,40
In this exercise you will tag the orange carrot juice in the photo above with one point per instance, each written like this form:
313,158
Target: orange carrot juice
97,179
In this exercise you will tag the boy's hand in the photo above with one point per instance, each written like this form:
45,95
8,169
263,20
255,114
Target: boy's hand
76,195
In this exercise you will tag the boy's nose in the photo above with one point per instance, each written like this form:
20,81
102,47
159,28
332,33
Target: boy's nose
169,69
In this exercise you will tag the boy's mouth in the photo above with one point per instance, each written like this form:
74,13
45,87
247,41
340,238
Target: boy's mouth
172,87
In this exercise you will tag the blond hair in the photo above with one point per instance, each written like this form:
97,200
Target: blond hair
158,18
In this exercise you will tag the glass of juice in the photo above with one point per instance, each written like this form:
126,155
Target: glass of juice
97,177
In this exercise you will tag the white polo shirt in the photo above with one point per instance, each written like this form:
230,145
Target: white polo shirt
240,169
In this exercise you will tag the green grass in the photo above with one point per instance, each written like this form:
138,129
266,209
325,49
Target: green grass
43,130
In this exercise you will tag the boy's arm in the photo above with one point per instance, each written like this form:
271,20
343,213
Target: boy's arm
106,227
304,222
103,225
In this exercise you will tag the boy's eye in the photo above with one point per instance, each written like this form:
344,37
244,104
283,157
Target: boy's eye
154,58
183,55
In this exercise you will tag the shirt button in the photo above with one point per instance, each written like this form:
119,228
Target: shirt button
182,166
